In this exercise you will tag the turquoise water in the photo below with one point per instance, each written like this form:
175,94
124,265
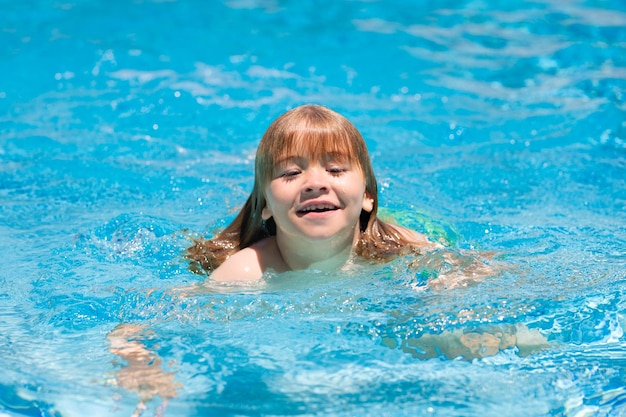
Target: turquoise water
128,126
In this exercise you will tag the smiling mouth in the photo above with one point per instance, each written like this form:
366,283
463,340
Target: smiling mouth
317,208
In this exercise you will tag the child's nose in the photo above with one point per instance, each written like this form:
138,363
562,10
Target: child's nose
316,180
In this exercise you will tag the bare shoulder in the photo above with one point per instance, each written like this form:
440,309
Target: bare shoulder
413,236
250,263
242,266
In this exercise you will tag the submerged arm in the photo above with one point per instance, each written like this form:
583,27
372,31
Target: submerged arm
143,373
474,344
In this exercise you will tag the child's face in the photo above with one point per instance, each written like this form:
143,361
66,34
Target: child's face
316,199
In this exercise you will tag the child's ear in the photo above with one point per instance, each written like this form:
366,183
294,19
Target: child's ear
266,213
368,202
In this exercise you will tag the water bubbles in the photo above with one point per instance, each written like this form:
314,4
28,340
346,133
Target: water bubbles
547,64
237,59
107,57
66,75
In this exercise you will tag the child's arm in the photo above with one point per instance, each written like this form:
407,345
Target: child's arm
476,344
419,239
142,372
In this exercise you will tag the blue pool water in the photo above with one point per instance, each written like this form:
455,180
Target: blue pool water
128,126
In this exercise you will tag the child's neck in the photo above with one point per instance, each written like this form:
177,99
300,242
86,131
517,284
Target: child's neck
317,254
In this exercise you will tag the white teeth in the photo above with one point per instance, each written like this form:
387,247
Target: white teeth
318,207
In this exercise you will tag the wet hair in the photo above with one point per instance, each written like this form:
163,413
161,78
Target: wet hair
310,131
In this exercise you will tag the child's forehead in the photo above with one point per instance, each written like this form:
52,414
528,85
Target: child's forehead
322,157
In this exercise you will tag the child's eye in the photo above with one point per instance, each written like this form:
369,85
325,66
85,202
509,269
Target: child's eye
336,170
290,173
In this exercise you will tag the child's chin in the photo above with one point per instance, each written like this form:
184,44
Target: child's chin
323,235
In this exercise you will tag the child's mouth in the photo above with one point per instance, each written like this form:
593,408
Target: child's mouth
316,208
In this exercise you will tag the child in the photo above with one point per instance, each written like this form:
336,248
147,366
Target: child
313,205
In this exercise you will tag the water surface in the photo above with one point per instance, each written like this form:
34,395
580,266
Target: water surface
127,127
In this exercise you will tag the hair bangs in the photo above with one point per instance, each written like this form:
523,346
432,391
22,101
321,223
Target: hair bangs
317,144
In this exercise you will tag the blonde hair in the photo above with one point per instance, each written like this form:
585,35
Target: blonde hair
311,131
